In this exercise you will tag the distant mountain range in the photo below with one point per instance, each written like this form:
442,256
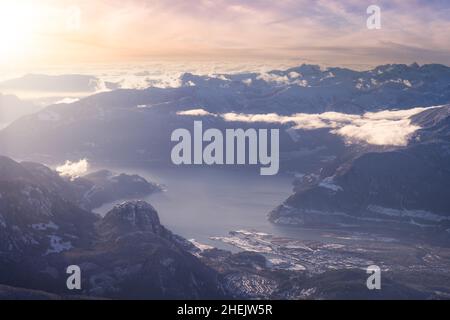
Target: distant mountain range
307,88
311,89
341,181
135,125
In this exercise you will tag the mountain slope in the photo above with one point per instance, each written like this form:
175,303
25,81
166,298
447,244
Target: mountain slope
406,189
126,254
12,108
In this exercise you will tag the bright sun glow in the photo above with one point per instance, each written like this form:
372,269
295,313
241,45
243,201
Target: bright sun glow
19,21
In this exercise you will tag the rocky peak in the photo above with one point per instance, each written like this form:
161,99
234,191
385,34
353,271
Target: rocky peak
131,216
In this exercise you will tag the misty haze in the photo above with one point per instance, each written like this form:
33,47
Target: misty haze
224,150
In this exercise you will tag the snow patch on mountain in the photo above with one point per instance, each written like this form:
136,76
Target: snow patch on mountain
328,183
200,246
418,214
67,101
57,245
45,226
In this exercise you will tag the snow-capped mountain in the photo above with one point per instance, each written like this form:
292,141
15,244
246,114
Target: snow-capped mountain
135,125
311,89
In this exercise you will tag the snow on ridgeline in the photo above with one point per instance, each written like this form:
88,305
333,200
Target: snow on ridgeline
386,127
404,213
328,183
200,246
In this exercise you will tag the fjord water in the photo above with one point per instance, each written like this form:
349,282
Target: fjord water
200,202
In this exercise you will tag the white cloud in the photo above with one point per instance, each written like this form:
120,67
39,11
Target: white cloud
294,75
393,115
378,132
195,112
158,74
376,128
303,121
247,82
73,169
293,79
67,100
273,78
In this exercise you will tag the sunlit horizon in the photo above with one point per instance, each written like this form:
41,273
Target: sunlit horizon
72,33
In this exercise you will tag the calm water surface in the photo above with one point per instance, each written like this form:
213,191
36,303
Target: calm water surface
202,202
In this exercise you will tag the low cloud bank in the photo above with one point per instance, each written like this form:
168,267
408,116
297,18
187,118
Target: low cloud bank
195,112
377,128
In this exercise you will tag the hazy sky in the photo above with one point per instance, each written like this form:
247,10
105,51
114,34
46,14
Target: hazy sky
330,32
